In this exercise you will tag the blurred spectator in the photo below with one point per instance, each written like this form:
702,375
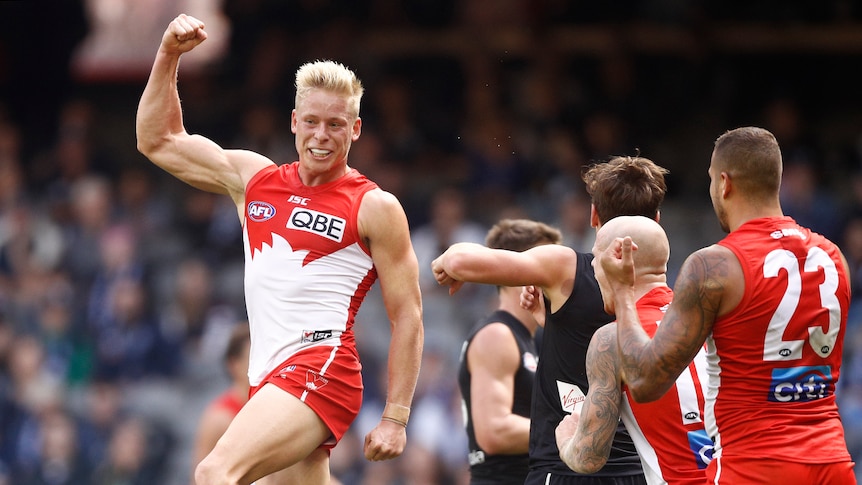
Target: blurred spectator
193,319
128,344
448,318
60,461
134,457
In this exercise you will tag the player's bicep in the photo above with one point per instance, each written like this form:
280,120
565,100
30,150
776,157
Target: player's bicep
383,227
698,293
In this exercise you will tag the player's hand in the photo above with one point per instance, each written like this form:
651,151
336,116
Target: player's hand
183,34
443,278
386,441
531,299
566,429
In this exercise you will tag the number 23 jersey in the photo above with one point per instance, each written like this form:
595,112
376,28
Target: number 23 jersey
774,361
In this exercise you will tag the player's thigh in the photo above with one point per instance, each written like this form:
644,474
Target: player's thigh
313,470
273,431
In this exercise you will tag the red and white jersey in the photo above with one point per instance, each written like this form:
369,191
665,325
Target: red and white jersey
306,268
774,361
669,433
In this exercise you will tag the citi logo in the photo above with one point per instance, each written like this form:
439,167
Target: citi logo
702,447
801,384
260,211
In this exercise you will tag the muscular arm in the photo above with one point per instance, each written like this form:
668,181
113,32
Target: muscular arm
584,439
709,284
383,225
161,136
550,266
493,359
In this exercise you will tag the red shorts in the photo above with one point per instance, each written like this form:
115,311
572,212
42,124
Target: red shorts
328,380
737,471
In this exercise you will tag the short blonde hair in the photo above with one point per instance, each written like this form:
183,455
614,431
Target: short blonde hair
330,76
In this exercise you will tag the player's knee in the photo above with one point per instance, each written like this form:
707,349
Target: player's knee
210,472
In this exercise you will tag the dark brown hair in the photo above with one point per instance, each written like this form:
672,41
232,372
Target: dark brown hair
521,235
626,186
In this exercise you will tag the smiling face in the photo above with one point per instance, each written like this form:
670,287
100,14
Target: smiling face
325,128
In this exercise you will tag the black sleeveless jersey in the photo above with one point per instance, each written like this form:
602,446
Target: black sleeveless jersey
499,469
561,377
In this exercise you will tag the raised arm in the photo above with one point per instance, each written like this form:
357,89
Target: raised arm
549,266
383,225
584,438
163,139
701,293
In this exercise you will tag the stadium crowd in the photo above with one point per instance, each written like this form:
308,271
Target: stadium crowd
119,286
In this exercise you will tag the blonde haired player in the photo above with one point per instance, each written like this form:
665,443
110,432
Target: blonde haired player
317,235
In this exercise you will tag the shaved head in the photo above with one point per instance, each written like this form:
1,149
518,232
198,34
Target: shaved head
653,247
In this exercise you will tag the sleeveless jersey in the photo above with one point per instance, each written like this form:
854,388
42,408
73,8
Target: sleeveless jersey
669,433
561,378
774,361
499,469
306,269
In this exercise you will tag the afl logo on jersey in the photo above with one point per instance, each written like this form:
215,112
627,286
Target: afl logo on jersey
260,211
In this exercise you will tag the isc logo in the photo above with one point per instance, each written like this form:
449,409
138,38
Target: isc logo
260,211
318,223
295,199
797,384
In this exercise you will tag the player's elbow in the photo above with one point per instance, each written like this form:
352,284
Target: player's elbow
149,145
588,468
583,465
491,444
646,392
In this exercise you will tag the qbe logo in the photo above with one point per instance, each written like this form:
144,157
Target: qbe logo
325,225
801,384
260,211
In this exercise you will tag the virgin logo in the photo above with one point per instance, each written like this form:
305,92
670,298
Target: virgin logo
571,397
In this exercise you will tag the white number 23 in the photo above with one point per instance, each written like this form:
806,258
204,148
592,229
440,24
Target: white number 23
775,347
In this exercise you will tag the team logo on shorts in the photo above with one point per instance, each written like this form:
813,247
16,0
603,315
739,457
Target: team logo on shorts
314,381
283,372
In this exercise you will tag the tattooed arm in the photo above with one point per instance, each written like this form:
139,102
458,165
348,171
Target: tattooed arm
584,439
710,284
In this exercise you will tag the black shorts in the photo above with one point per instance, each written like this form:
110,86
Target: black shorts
540,477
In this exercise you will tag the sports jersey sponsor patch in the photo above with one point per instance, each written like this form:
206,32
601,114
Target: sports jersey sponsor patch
571,397
801,384
311,336
325,225
260,211
530,362
701,446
